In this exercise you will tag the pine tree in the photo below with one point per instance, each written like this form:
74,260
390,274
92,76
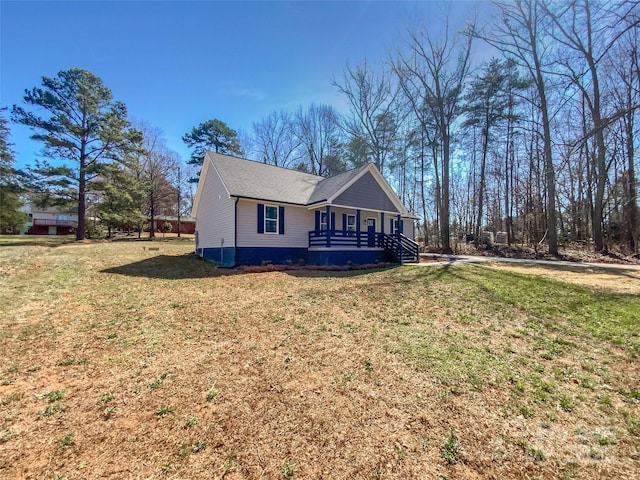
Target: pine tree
82,130
11,218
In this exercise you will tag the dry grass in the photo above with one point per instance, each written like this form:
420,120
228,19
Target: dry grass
119,362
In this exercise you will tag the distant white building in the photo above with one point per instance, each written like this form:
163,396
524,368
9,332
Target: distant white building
49,221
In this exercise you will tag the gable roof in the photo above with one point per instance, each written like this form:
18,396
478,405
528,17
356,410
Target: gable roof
329,186
249,179
259,181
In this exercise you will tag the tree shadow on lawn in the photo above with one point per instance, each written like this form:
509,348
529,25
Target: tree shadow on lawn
171,267
180,267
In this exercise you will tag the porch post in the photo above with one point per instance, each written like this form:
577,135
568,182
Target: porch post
328,231
382,222
358,228
399,240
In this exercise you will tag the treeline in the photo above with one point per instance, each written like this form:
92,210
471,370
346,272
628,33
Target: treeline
538,142
114,174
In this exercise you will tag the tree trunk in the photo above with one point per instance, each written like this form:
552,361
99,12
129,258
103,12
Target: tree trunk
549,169
600,160
152,219
82,186
481,188
631,186
445,215
422,194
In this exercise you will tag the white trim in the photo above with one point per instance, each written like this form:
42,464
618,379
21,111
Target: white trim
318,206
395,227
355,219
277,220
326,223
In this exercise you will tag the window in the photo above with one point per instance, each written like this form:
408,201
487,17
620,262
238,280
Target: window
351,223
396,226
270,219
323,221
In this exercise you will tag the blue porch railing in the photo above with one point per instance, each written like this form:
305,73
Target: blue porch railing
340,238
403,248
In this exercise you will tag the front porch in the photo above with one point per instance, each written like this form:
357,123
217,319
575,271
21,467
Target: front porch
396,247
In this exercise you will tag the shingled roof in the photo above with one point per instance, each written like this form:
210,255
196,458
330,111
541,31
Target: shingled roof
260,181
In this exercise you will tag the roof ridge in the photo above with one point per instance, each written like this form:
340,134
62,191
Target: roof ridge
351,170
267,164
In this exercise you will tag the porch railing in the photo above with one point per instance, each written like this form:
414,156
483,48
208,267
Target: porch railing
340,238
53,222
403,248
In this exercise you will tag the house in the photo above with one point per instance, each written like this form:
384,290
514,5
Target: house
187,224
250,213
49,220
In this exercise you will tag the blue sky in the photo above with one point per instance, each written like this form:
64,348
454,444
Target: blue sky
176,64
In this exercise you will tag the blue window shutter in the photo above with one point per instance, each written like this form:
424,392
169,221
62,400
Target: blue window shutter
344,223
260,218
391,225
333,220
317,221
401,226
281,220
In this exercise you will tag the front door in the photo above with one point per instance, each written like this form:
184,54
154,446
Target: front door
371,232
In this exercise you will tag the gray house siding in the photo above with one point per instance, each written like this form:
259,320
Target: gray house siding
366,193
408,228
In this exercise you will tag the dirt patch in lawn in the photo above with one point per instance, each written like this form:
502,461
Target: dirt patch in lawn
621,281
569,253
120,362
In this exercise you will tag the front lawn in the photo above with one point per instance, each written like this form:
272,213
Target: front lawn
117,361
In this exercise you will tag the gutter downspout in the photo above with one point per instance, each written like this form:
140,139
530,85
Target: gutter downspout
235,230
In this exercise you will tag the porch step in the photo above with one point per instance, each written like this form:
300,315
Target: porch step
403,248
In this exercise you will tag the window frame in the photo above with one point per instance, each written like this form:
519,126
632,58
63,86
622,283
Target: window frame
323,215
276,220
350,227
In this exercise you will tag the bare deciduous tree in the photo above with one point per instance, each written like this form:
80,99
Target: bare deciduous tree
432,77
317,129
374,110
274,141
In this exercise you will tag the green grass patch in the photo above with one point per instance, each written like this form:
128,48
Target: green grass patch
607,316
452,357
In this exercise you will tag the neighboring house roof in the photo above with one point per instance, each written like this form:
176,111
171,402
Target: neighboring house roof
30,208
259,181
